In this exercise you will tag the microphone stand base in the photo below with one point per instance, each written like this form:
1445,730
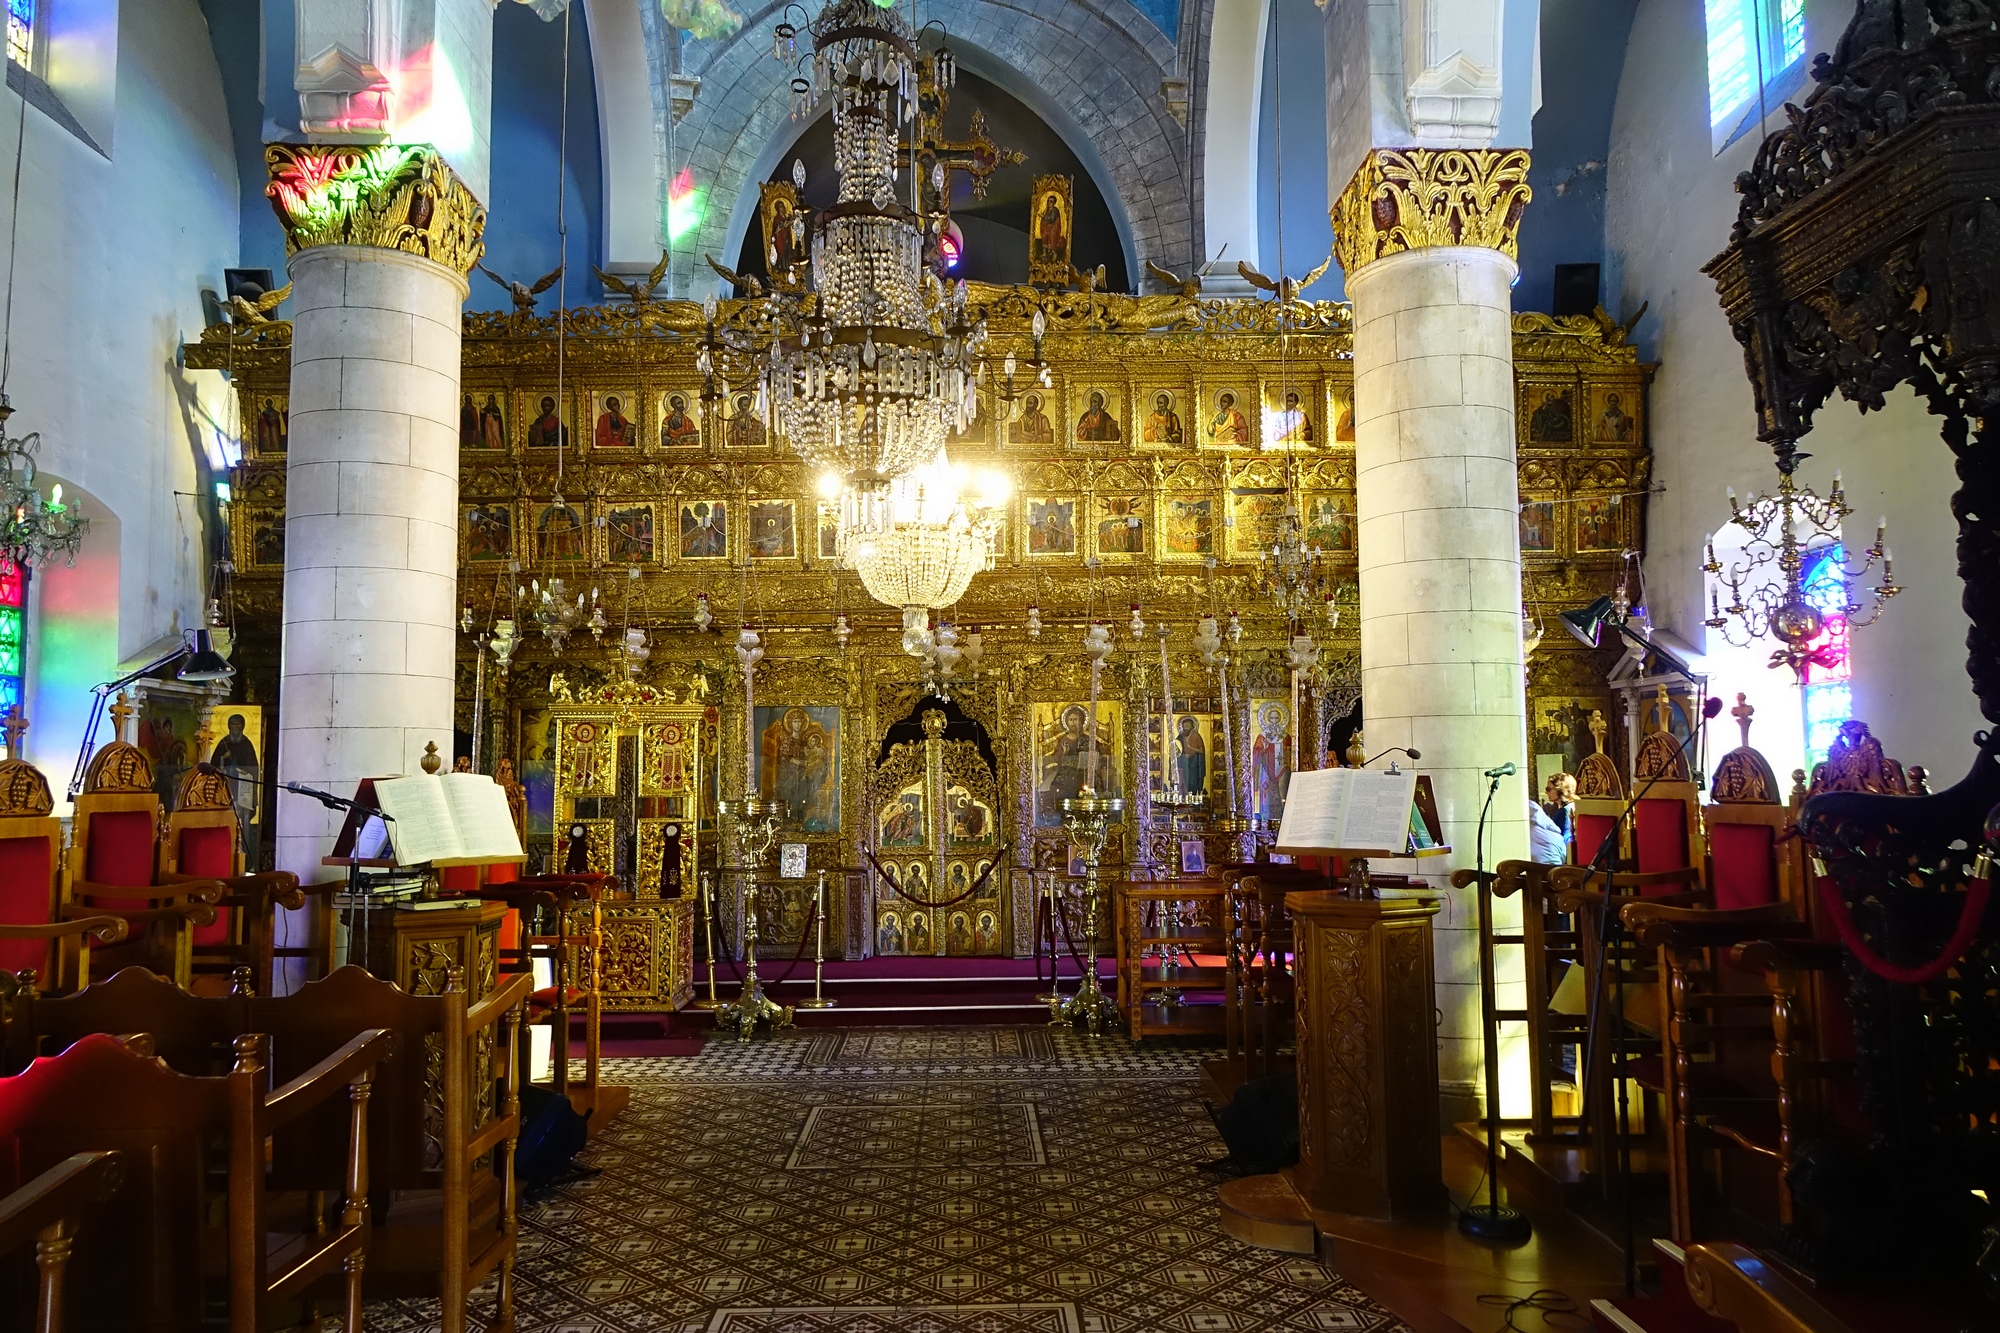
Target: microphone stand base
1496,1223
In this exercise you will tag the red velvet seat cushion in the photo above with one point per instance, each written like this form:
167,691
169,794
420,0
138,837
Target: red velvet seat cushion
211,852
1591,831
1744,864
1659,834
121,853
26,871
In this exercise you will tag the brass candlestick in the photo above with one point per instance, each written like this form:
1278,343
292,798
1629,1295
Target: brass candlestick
1086,819
754,823
708,927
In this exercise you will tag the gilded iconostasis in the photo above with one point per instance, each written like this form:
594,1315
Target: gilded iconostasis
1150,462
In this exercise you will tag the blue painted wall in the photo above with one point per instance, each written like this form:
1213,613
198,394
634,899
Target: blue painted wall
521,238
1583,54
234,32
1166,14
1297,33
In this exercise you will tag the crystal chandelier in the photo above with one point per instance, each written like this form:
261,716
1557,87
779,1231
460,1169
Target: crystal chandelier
1786,530
38,527
1294,573
868,378
917,541
548,605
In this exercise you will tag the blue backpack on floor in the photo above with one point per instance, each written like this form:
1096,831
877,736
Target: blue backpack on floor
552,1134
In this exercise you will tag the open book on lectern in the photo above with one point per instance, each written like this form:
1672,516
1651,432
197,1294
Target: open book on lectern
450,819
1358,810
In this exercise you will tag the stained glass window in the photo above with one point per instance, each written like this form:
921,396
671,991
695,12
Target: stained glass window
1750,42
21,32
1829,695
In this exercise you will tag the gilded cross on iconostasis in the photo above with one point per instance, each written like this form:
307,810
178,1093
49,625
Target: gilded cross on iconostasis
976,156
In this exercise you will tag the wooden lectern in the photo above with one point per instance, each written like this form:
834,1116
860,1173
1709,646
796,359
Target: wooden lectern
1369,1137
1370,1144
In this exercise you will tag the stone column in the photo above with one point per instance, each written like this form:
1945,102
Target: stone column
380,238
1427,240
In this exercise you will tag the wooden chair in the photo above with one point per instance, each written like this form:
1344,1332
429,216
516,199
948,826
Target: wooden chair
34,936
113,867
202,845
570,907
443,1221
1715,1072
159,1261
1667,867
1266,988
1550,946
47,1213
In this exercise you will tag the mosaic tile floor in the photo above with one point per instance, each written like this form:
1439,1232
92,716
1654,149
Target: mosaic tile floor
1001,1180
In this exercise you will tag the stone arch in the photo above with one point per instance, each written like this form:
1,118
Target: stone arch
1090,68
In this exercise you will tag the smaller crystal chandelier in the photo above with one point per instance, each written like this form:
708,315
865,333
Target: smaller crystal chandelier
39,527
550,608
1294,573
1786,529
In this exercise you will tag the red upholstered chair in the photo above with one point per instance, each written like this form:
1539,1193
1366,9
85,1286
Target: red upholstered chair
202,846
113,867
34,936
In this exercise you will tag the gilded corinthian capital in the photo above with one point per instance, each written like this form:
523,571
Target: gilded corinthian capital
388,196
1421,198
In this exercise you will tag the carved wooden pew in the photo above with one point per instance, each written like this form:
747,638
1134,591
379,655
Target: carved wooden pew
156,1262
46,1213
443,1221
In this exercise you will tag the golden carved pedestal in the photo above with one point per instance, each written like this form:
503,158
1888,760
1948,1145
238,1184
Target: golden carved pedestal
1369,1139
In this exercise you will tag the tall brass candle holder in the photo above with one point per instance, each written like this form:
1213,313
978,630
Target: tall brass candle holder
754,823
710,1001
1086,819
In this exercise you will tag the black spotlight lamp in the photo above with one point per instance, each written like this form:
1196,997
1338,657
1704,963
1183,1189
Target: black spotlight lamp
204,663
1587,623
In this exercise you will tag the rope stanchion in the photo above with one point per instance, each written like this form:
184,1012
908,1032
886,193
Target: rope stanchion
812,919
890,880
1970,917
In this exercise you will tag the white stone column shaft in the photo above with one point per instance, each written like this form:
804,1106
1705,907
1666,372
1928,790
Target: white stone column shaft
1440,563
371,529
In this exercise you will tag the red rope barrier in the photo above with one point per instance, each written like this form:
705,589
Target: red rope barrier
890,880
1969,920
812,919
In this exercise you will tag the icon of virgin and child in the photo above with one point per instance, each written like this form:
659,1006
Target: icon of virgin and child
799,763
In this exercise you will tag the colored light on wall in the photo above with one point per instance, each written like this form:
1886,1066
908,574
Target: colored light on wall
1827,694
430,104
684,205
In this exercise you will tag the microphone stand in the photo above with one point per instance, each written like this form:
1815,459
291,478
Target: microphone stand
1610,931
357,882
1490,1221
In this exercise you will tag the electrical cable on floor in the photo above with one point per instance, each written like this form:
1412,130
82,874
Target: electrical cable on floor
1556,1308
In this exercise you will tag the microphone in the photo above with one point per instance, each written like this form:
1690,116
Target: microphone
330,801
1506,770
1415,755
